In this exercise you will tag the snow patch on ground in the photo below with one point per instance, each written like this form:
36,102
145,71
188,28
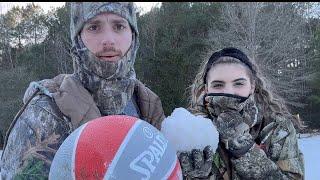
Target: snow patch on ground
310,146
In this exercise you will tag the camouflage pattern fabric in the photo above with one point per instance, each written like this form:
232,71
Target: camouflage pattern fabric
111,84
281,159
43,125
39,130
275,154
216,104
234,133
196,164
32,143
84,59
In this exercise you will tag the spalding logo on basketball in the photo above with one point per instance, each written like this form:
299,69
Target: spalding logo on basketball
116,147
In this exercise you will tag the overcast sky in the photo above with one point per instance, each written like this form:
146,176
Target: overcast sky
4,6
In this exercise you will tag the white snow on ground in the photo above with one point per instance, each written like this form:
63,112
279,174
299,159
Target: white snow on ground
310,147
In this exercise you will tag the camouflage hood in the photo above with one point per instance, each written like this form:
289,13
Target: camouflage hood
111,84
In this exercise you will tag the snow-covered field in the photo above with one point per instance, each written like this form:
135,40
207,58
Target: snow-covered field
310,147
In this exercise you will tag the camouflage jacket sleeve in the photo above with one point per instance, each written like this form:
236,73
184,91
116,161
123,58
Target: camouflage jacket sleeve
33,140
282,158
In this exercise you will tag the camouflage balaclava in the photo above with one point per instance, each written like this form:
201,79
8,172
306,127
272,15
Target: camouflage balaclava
110,83
217,103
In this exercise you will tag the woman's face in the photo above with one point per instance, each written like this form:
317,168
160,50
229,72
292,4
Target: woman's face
230,79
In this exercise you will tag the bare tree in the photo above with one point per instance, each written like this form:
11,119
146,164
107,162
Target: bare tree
149,31
275,36
57,42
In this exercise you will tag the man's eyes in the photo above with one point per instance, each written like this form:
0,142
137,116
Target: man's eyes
93,27
116,27
119,27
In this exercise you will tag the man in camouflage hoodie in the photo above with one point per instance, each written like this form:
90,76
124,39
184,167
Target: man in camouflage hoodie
104,46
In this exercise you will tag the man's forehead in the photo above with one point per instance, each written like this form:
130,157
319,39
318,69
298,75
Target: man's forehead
107,16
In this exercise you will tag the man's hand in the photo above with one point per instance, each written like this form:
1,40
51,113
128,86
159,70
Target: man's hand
234,133
197,163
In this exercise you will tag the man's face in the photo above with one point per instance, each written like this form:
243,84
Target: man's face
108,36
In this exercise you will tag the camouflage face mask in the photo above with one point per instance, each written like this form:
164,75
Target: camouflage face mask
217,103
86,61
82,12
110,83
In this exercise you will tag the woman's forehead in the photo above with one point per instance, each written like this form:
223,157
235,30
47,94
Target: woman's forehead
227,71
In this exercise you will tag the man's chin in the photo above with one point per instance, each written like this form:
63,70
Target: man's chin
110,59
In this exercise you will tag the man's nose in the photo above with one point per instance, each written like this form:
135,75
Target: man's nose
108,39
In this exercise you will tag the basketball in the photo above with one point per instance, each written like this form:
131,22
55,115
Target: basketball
115,147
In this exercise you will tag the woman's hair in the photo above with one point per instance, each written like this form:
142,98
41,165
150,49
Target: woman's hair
270,102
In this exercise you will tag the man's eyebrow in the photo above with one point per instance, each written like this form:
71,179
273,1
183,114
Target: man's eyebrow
118,21
115,21
94,21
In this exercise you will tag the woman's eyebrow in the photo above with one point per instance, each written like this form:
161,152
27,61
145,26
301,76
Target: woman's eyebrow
216,81
240,79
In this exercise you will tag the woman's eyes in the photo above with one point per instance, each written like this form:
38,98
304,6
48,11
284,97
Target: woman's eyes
217,85
239,84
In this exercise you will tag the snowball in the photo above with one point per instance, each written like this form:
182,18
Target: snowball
186,131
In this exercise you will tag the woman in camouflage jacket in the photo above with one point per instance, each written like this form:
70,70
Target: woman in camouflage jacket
257,139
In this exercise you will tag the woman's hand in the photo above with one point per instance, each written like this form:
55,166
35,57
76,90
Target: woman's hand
197,163
234,133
